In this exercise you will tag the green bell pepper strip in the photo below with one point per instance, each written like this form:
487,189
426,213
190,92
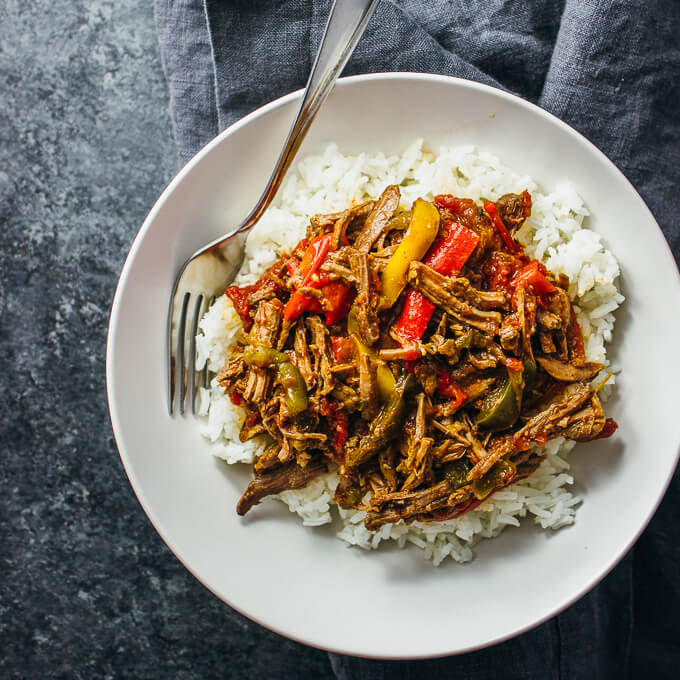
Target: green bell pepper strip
530,370
456,473
385,426
498,476
502,405
287,375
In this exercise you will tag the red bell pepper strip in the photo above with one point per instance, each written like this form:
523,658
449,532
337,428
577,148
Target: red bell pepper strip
297,304
415,315
412,355
447,387
300,303
447,256
510,242
532,276
314,256
452,250
311,261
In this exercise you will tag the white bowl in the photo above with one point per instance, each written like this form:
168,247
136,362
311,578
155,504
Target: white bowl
304,583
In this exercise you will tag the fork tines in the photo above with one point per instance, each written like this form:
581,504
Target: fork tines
184,378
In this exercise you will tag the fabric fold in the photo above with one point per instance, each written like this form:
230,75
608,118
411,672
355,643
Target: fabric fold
609,68
188,65
614,76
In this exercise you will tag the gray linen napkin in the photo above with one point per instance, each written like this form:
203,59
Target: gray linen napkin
609,68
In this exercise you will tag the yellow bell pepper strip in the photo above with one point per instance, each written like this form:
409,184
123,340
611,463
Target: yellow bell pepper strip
449,253
287,375
386,382
420,235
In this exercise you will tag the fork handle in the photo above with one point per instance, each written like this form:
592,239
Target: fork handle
346,24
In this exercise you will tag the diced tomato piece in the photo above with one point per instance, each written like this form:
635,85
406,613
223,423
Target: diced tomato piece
343,348
339,430
410,365
514,364
293,267
447,202
610,426
239,296
575,339
447,387
337,298
510,242
499,268
533,276
311,261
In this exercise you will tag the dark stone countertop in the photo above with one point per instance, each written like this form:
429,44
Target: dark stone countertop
87,588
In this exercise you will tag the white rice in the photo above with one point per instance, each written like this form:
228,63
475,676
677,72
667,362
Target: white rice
556,233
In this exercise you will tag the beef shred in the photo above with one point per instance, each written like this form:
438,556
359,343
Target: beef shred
419,425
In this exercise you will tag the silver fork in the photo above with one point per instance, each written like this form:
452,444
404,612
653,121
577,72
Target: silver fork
211,269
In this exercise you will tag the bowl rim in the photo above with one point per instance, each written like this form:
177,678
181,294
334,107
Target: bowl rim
156,522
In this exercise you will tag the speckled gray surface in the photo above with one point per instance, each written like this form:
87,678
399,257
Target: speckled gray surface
87,588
